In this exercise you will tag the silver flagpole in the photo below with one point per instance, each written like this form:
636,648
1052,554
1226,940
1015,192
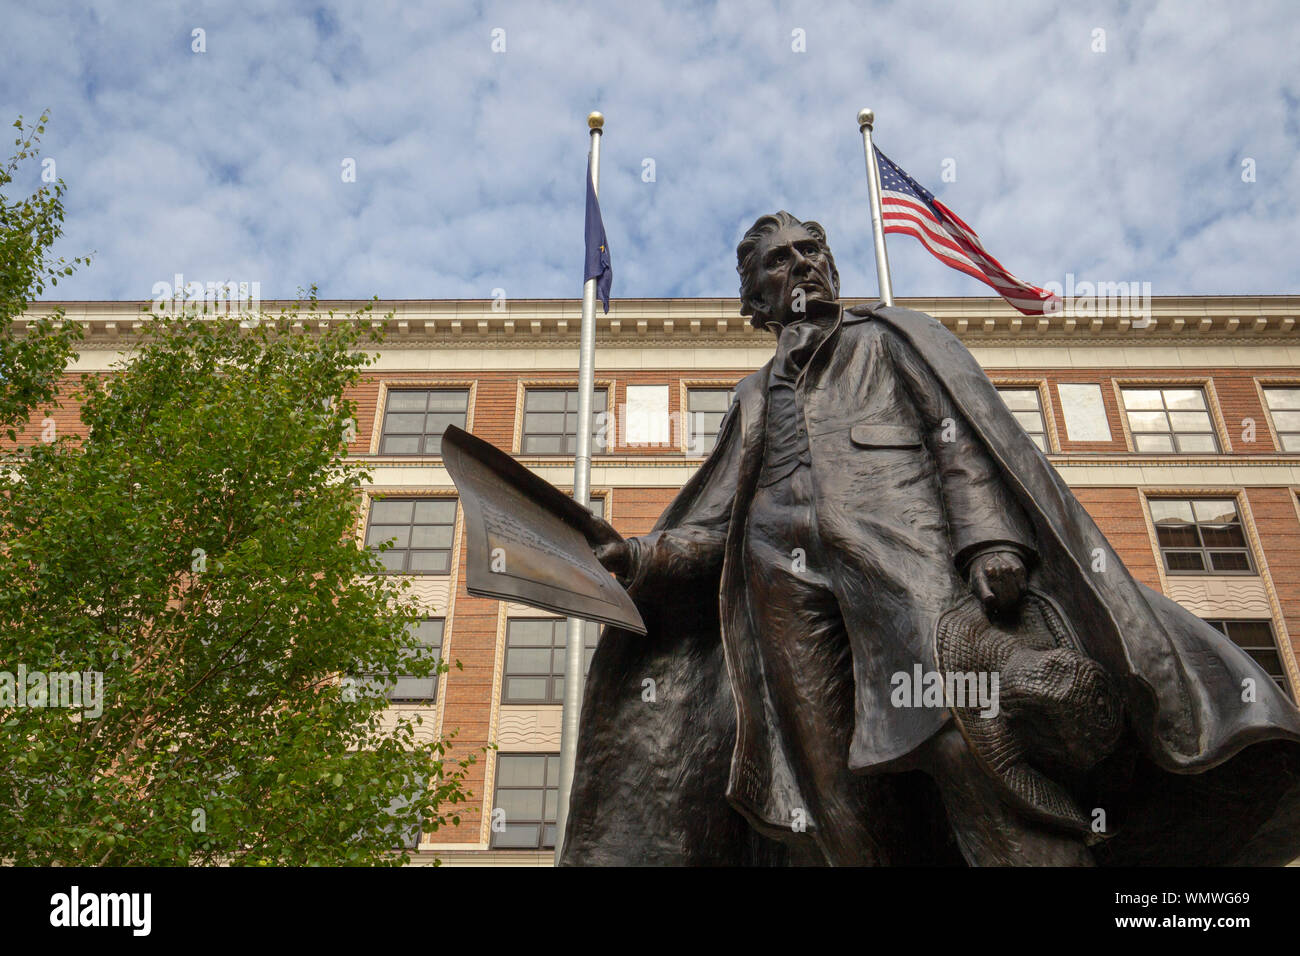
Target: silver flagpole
866,120
575,651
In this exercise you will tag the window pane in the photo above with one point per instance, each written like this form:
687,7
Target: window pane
1184,399
526,688
1153,443
530,633
393,560
1184,561
544,400
406,401
521,770
528,660
400,535
1177,536
1031,422
1148,422
1020,399
1171,509
440,511
451,401
1197,443
429,562
1229,561
1215,510
429,631
435,423
397,511
708,399
1142,398
543,445
410,688
549,423
521,804
400,445
431,536
1287,421
1280,398
517,836
404,424
1251,634
1223,536
1190,422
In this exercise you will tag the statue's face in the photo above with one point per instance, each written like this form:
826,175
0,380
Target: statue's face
791,260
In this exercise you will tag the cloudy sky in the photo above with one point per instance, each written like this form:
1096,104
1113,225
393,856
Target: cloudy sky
1105,140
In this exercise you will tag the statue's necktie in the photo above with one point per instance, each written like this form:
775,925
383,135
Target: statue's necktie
787,441
795,347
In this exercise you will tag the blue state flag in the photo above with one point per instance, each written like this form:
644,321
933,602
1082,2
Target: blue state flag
598,266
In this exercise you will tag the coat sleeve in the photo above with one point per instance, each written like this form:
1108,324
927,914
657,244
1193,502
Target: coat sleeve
982,513
693,547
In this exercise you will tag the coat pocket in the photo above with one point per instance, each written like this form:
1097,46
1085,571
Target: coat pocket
885,436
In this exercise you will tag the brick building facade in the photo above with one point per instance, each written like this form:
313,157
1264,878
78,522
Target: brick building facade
1182,439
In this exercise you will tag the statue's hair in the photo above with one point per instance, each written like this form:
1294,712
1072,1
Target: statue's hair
747,264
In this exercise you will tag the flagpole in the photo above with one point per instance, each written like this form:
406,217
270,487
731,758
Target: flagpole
866,120
575,651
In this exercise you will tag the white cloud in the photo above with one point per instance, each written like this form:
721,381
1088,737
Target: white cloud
1119,165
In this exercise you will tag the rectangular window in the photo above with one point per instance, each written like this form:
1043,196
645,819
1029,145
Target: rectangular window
1170,420
415,418
535,651
403,687
1284,406
551,421
1256,639
527,792
420,529
1027,408
705,408
597,507
1200,536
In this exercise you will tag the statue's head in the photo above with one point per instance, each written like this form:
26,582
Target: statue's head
784,264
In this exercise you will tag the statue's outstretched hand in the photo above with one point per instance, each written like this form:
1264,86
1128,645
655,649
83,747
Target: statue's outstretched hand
615,557
998,579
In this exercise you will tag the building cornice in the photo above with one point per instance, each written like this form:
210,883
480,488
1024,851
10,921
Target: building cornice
717,322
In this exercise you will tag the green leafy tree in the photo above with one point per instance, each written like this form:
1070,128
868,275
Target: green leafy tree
198,548
31,363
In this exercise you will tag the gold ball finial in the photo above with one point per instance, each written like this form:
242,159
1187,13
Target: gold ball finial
595,120
866,118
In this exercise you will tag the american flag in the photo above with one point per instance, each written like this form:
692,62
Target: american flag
909,208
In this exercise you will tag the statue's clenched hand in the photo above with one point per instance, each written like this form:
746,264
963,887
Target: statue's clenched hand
998,579
615,557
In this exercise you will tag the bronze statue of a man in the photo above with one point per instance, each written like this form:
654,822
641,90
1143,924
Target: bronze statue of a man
873,517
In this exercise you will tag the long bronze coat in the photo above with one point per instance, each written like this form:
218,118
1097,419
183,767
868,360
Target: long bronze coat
693,772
